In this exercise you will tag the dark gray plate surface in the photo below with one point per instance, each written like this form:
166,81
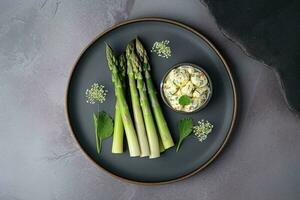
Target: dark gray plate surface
187,46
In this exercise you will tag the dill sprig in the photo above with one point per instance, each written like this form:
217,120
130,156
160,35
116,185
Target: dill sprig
162,49
202,129
96,93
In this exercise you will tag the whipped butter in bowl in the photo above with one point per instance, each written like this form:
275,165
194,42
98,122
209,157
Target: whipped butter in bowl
186,88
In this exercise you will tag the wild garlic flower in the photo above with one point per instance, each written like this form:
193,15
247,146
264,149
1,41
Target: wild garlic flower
162,49
96,93
202,129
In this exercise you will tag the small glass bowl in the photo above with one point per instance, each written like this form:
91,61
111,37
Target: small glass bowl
197,68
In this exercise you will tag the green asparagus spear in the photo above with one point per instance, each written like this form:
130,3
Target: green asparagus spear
161,146
133,145
159,117
137,112
117,144
146,108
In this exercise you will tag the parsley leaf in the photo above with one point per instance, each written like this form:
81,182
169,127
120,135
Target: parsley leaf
184,100
103,128
185,127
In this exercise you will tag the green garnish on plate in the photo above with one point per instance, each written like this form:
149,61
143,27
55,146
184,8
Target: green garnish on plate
185,100
103,128
185,127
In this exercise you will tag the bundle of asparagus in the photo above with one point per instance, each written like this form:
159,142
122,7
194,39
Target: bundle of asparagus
142,135
133,145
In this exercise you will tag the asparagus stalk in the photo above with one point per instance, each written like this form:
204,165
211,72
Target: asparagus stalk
133,145
146,109
159,117
137,112
161,146
117,144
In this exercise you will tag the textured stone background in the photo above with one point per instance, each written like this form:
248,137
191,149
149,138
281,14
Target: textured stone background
39,43
268,30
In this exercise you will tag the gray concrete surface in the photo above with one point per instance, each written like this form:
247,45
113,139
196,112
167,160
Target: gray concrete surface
39,43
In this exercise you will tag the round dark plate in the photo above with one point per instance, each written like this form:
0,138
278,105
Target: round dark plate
187,46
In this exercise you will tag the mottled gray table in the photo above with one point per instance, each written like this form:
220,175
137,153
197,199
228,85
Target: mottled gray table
40,41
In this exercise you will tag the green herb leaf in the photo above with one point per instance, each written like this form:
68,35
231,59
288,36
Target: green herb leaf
95,119
185,127
103,128
105,125
184,100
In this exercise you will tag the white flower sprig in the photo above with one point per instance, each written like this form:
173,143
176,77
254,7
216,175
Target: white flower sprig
162,49
202,129
96,93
